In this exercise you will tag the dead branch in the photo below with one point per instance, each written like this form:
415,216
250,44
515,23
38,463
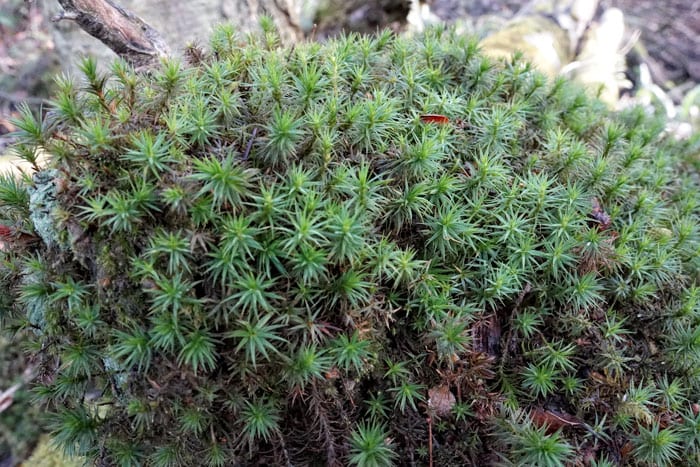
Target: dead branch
118,28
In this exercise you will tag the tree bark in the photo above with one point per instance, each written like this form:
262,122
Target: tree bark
177,22
119,29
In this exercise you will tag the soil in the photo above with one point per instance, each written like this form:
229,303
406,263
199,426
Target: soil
670,30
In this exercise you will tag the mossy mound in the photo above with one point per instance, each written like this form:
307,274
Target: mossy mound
377,250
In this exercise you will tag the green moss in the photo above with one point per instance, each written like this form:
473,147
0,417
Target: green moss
47,455
277,257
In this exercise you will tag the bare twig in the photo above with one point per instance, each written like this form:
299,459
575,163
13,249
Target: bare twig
118,28
430,440
7,396
250,144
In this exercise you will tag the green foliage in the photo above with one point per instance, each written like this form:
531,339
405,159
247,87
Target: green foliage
524,443
539,380
260,419
369,447
657,446
267,257
537,448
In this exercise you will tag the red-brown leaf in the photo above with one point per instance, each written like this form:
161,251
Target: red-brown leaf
553,420
441,400
434,118
5,232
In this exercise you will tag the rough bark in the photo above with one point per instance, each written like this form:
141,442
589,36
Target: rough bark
179,22
118,28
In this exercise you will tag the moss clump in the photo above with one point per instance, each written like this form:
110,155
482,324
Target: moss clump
272,257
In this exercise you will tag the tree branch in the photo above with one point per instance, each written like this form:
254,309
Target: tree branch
121,30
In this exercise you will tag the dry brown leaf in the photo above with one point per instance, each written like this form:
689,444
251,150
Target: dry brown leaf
441,400
553,420
626,450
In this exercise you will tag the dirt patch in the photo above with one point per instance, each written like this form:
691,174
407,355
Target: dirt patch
670,32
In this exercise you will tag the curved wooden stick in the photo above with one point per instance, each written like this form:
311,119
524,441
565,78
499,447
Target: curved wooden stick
122,31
